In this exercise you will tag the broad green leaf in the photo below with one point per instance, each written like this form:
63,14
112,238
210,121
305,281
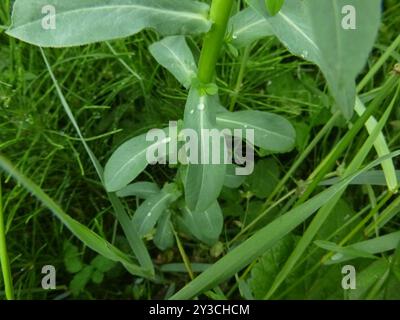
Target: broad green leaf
343,212
141,190
268,266
102,264
72,258
80,280
206,226
147,215
83,233
248,26
273,6
271,132
205,172
129,160
164,237
97,277
367,278
174,54
232,180
373,246
264,179
264,239
78,22
313,29
325,285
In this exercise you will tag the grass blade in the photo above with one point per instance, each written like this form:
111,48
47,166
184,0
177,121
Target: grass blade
265,238
326,210
136,243
87,236
4,261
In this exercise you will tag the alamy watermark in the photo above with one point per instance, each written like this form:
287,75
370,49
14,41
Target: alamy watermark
206,146
49,20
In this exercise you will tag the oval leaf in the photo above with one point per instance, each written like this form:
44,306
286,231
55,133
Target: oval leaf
232,180
336,35
164,238
141,190
174,54
60,23
271,132
248,26
206,226
204,179
147,215
129,160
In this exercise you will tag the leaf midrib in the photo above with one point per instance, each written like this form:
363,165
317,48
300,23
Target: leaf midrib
187,14
187,70
161,200
140,153
249,26
219,119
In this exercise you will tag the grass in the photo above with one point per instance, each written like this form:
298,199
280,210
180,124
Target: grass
116,90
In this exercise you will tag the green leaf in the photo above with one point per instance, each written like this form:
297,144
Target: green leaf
313,30
232,180
164,237
141,190
72,260
129,160
135,242
271,132
264,178
206,226
82,22
373,178
264,239
373,246
174,54
343,212
367,278
203,180
248,26
83,233
396,262
349,251
324,212
97,277
147,215
265,270
273,6
102,264
381,148
80,280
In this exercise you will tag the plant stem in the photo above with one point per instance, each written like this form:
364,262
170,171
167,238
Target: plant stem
213,40
5,263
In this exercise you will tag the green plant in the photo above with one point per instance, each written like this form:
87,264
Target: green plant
84,273
189,203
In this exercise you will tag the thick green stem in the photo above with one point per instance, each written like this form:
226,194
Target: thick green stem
4,261
219,16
